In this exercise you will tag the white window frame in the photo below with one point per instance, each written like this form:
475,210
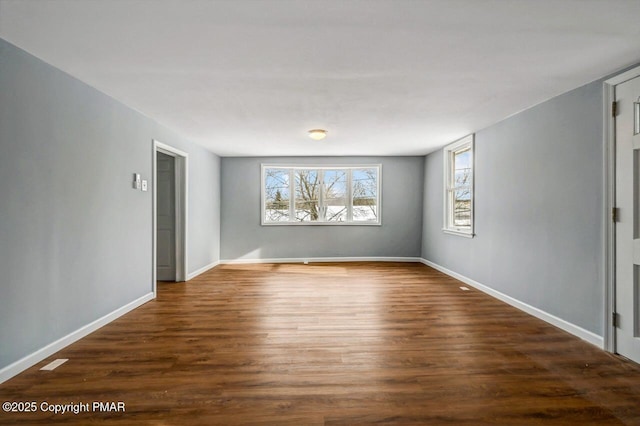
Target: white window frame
349,221
449,152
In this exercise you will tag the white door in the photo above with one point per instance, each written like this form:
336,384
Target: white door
166,218
627,288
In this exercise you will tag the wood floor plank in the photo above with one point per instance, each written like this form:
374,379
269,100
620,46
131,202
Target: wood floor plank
330,344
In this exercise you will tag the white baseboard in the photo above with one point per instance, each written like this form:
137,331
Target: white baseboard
202,270
32,359
580,332
323,259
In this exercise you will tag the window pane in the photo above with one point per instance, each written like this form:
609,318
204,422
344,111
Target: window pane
335,195
307,194
462,208
462,168
365,194
276,195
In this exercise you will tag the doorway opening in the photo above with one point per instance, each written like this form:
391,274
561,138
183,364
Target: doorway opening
170,171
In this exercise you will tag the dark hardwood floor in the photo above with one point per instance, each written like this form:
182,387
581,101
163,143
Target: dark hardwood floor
331,344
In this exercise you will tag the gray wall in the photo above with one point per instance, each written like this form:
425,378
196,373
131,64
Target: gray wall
242,237
75,238
538,207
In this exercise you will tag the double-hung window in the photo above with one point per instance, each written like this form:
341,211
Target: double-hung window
458,187
327,195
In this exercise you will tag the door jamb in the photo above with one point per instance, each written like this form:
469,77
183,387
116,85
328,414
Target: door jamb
181,205
609,202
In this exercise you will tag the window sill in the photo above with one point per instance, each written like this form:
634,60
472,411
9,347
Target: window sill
321,224
464,234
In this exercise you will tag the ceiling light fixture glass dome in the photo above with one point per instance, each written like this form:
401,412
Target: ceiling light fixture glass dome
317,134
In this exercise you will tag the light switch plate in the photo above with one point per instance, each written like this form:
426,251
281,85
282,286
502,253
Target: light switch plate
144,185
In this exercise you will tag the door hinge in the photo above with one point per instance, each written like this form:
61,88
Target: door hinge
615,214
615,319
614,108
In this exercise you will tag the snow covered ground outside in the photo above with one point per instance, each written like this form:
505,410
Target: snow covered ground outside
334,214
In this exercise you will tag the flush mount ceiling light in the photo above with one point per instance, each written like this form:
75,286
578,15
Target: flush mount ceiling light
317,134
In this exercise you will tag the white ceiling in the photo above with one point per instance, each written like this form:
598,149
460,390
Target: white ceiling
384,77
